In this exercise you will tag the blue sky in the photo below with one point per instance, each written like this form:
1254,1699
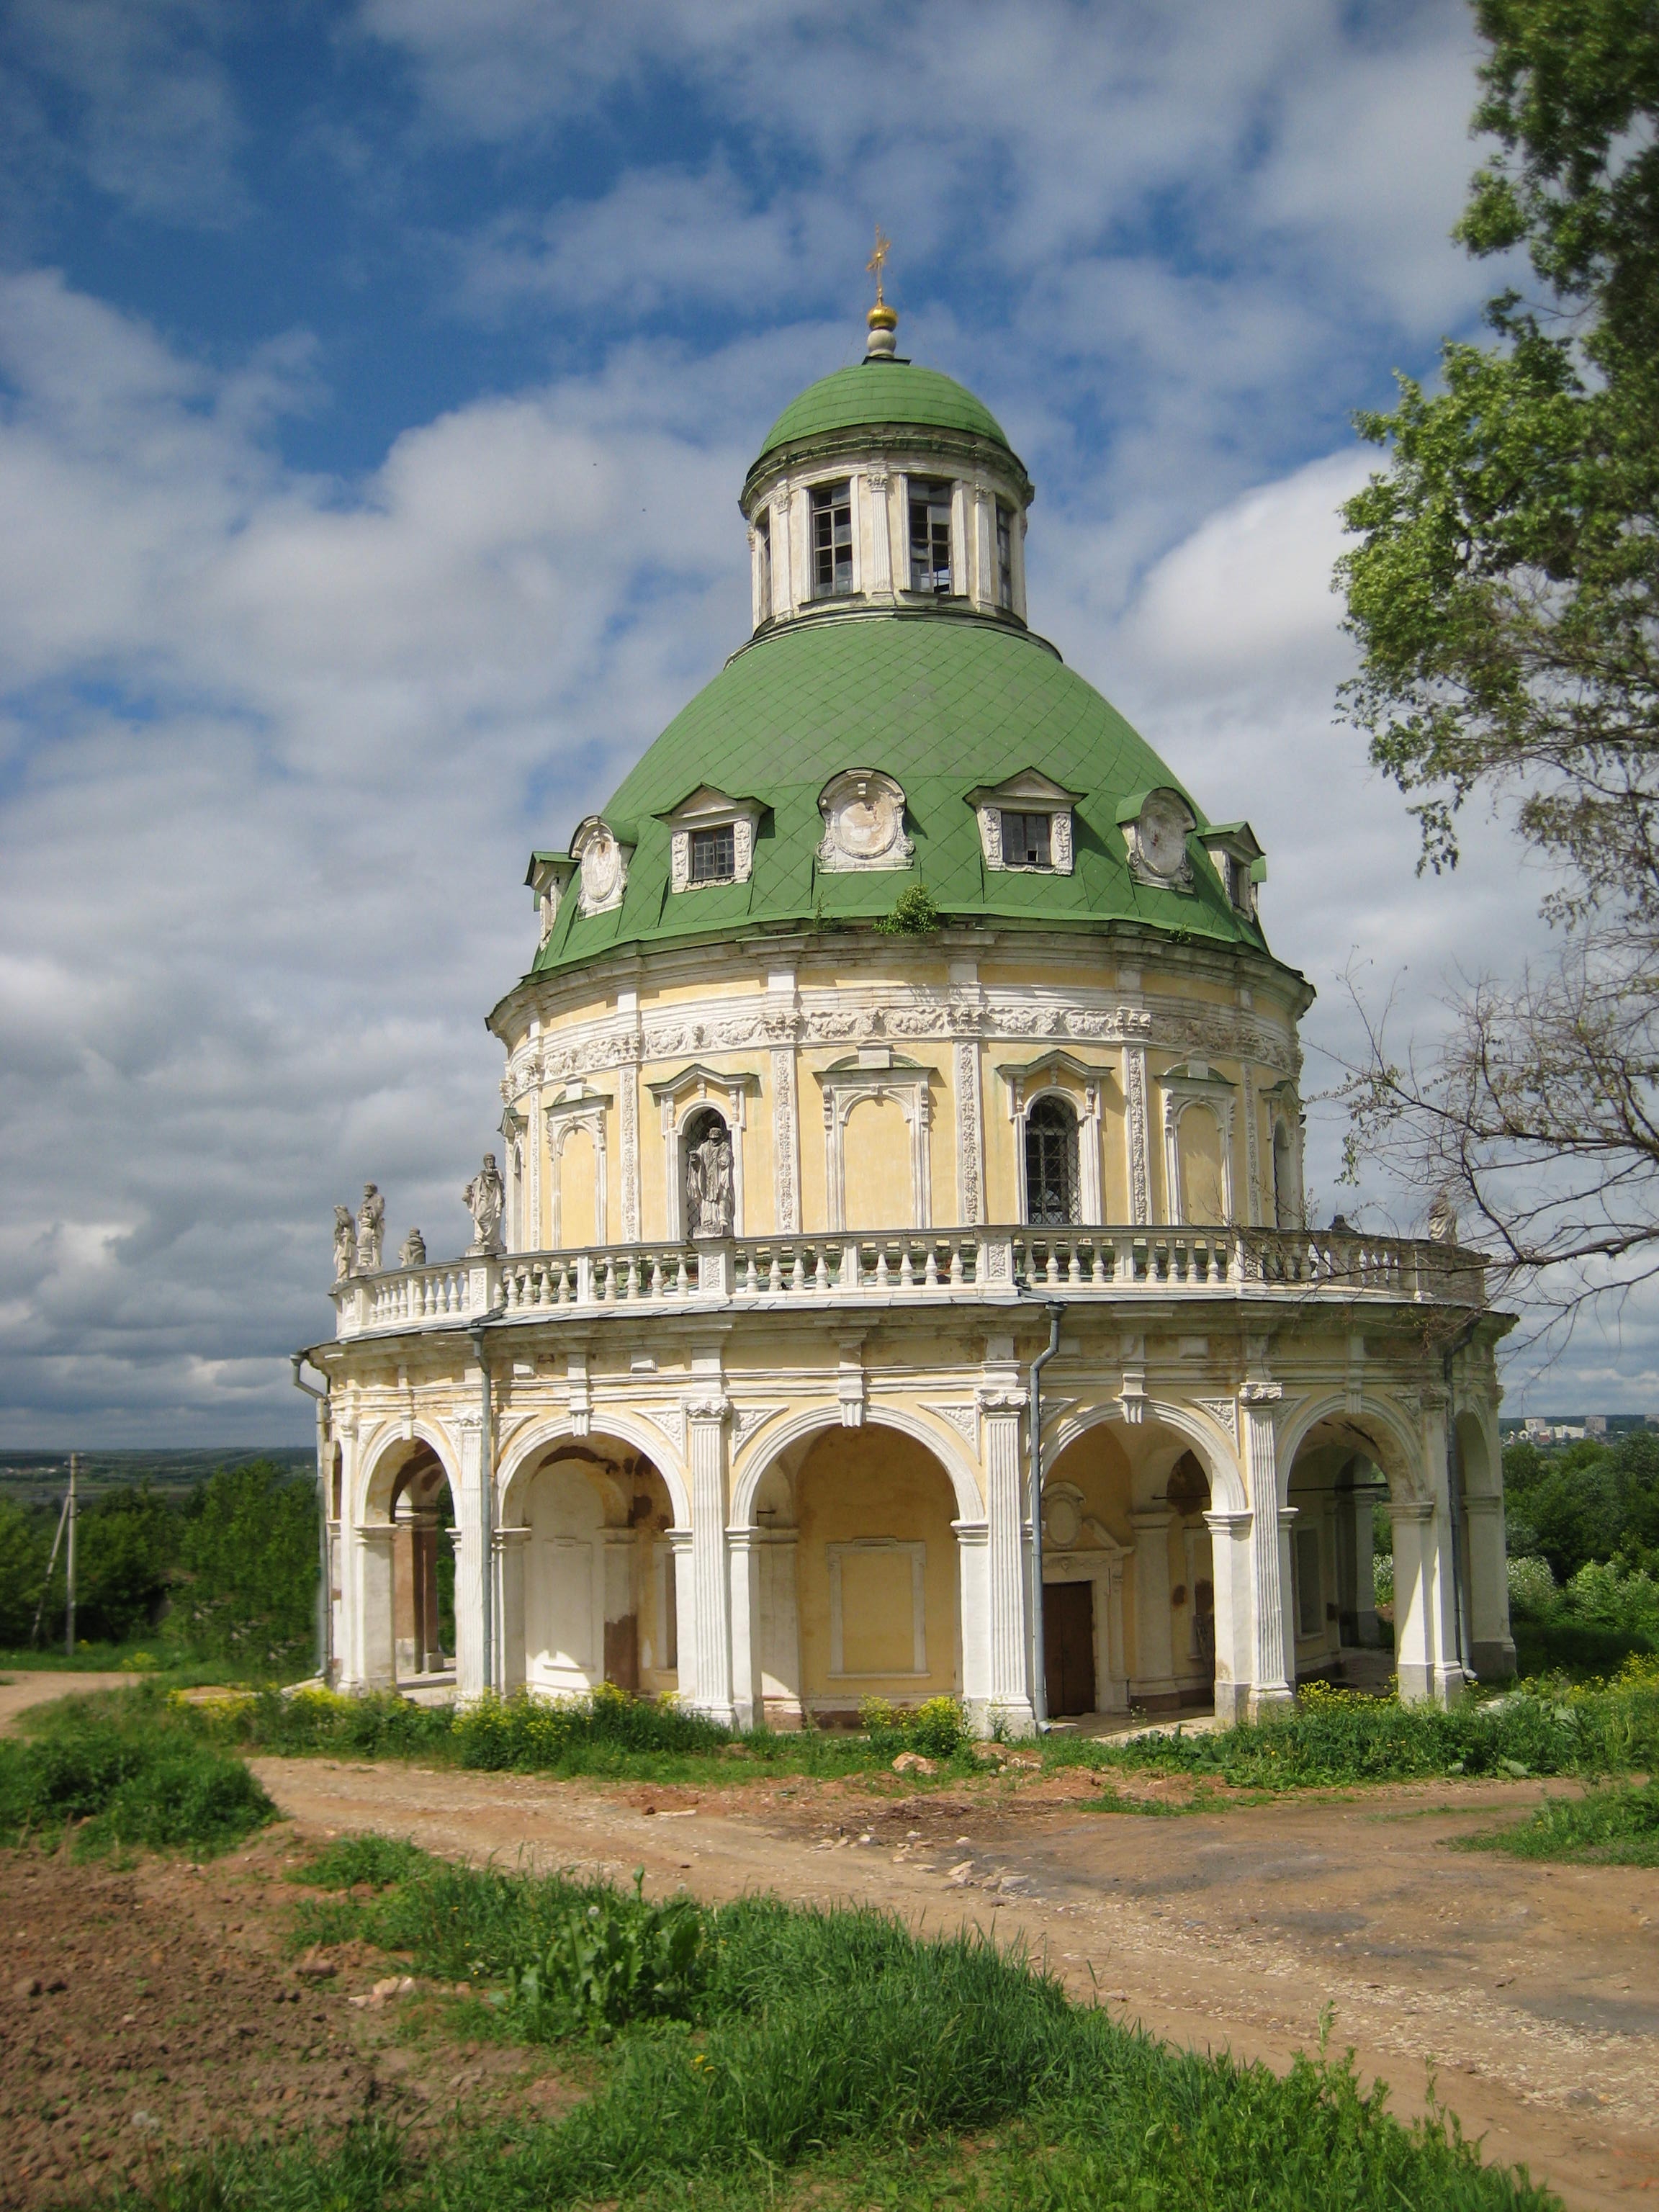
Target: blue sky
376,381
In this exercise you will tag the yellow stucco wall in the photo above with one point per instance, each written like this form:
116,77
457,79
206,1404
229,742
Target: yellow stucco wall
864,1483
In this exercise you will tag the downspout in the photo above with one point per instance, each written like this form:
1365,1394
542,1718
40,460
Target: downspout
1039,1661
486,1499
325,1564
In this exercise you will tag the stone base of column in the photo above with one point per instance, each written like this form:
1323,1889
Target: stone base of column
722,1715
1232,1703
1494,1658
1263,1703
1015,1717
1450,1683
1416,1681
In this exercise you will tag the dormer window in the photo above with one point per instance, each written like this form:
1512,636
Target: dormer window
1026,824
1027,840
711,838
832,540
714,855
1235,851
930,537
1005,556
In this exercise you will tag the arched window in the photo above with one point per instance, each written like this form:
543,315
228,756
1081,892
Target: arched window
1285,1207
1051,1170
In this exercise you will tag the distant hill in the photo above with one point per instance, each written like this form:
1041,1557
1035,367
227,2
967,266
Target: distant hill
40,1478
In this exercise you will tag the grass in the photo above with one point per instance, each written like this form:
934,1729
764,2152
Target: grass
149,1656
1612,1826
833,2057
121,1778
1332,1738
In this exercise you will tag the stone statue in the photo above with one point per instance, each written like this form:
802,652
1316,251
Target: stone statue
345,1243
1443,1215
412,1252
708,1191
371,1230
485,1197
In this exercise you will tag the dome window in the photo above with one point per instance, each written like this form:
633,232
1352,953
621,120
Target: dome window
763,567
1025,825
1005,556
930,537
711,838
1239,862
832,539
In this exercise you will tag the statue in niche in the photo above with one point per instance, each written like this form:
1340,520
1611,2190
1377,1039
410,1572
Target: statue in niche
345,1243
709,1196
485,1198
371,1230
412,1254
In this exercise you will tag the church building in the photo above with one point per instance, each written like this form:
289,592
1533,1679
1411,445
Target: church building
900,1122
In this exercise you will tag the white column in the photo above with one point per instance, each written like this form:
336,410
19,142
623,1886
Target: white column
512,1554
375,1660
1269,1683
1414,1655
685,1610
971,1566
1288,1517
708,1629
1153,1682
469,1566
1229,1552
1493,1645
1009,1687
744,1557
1449,1679
880,577
1364,1573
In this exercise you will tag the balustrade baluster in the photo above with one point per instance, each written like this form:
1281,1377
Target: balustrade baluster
820,1272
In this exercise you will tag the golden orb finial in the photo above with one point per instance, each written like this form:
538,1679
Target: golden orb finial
882,318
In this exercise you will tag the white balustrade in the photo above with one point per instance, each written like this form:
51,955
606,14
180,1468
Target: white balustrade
914,1266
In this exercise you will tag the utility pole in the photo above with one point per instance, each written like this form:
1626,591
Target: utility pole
69,1611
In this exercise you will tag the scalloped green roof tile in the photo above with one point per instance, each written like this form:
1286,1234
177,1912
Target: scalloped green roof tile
944,703
883,391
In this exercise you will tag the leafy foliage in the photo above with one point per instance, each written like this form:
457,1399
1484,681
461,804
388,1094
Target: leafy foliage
248,1557
1591,1501
914,914
124,1775
1611,1826
1504,594
614,1960
937,1727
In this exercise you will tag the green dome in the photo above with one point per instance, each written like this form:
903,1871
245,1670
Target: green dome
883,391
945,703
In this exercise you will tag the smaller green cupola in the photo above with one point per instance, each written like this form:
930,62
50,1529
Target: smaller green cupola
886,485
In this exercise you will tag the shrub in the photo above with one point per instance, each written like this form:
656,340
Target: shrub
1531,1586
131,1781
937,1727
1383,1578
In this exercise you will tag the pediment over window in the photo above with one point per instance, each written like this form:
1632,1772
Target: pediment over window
1239,861
1025,824
711,838
1035,1075
601,851
549,878
697,1080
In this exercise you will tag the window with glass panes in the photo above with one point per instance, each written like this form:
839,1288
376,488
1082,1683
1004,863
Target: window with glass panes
764,555
714,855
1026,841
832,539
1005,556
1051,1167
930,537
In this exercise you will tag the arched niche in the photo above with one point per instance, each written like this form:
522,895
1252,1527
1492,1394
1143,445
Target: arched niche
588,1585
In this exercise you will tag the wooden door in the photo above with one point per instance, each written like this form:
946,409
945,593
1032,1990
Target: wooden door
1068,1647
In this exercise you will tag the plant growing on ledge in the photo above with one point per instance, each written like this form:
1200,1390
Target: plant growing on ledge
913,915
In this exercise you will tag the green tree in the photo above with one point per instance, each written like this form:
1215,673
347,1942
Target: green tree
24,1542
1504,594
248,1557
126,1543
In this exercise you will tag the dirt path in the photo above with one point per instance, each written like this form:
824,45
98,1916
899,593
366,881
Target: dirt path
19,1690
1533,1993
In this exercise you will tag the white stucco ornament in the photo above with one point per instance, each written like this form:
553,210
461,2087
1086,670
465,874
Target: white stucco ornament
863,815
601,864
1158,836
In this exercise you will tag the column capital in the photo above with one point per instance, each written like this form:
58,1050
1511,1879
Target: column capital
711,1406
1418,1510
1261,1394
1228,1525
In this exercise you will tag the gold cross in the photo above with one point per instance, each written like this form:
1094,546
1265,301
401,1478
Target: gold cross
878,260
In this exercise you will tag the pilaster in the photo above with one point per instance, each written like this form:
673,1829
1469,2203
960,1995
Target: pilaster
1269,1681
1153,1683
1001,1405
1235,1657
708,1629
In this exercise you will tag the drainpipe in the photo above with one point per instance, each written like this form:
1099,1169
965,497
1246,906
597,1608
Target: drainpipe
325,1586
486,1496
1039,1665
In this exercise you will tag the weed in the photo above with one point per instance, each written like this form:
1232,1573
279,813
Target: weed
376,1861
1612,1826
122,1776
614,1960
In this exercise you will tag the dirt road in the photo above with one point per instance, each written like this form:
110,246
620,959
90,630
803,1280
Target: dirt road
1532,1993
